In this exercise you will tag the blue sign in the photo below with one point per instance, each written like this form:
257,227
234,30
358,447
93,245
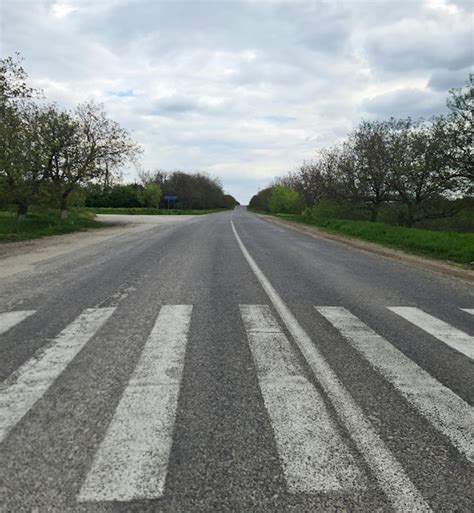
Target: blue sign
171,198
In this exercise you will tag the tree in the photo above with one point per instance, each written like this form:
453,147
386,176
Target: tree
13,79
420,174
458,132
260,201
21,173
284,200
371,159
193,190
230,201
126,196
152,195
309,182
22,164
94,145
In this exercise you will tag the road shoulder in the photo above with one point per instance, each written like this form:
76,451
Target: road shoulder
448,269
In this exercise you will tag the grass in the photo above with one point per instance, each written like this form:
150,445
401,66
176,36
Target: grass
151,211
41,224
452,246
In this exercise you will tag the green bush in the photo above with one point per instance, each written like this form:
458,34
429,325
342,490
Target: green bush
284,200
40,223
337,210
152,195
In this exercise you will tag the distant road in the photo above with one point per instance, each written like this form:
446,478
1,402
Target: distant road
225,363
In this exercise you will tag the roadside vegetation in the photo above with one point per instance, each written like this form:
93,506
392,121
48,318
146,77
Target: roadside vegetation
152,211
53,161
38,224
456,247
403,183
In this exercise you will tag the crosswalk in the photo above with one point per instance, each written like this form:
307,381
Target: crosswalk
131,462
443,408
10,319
28,384
314,456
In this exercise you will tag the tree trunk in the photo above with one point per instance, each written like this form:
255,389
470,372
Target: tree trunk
374,213
410,219
21,211
63,207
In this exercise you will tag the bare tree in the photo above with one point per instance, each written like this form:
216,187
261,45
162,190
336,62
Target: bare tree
420,174
459,132
371,157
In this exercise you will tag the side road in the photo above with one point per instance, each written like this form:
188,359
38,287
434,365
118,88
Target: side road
22,256
448,269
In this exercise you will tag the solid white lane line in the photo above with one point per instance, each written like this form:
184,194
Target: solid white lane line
446,411
313,454
468,310
132,461
22,389
390,475
10,319
443,331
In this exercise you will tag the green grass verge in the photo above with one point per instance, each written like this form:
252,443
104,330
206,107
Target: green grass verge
456,247
41,224
151,211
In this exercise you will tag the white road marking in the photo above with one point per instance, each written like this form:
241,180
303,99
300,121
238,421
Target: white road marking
10,319
441,406
132,461
468,310
443,331
22,389
314,456
389,473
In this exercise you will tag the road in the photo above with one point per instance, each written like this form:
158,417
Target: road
228,364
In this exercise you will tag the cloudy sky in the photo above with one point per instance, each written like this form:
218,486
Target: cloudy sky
244,90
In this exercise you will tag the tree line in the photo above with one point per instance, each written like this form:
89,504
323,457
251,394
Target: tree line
423,169
192,190
57,158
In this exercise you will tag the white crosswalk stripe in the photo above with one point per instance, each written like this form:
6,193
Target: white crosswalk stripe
443,331
314,456
132,460
20,391
443,408
388,471
468,310
10,319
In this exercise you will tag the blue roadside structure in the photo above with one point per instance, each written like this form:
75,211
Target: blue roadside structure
171,198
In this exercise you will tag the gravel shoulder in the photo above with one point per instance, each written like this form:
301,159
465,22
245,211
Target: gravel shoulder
22,256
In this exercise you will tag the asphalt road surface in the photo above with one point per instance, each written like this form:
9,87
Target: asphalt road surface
228,364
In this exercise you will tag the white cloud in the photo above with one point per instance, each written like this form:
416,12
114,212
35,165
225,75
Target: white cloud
245,90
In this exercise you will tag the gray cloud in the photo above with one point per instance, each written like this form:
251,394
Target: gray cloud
405,103
445,79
